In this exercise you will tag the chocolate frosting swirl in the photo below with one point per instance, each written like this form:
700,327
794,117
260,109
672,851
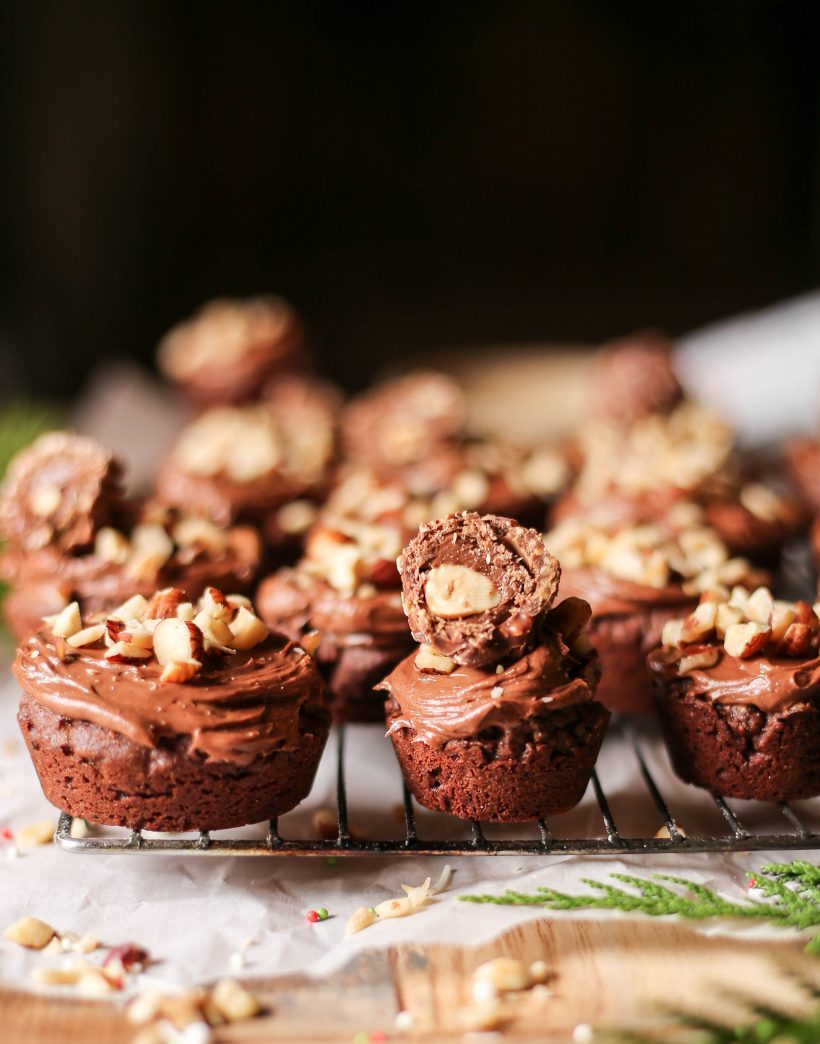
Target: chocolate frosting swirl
442,707
770,684
236,711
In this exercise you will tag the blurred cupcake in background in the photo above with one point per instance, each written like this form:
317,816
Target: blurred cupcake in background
266,464
636,578
71,535
342,601
228,350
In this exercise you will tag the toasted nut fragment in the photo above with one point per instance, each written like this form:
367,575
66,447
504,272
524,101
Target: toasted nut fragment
453,591
761,502
125,652
784,615
296,517
361,918
164,603
233,1001
310,642
247,629
237,599
430,661
177,641
87,636
727,616
487,1014
760,606
214,629
39,833
135,634
186,611
55,976
744,640
796,641
806,615
671,633
177,672
135,608
699,623
698,657
111,545
663,832
31,932
67,622
44,500
199,532
738,598
504,973
215,602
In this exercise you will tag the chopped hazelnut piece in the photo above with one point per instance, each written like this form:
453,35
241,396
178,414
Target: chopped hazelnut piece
430,661
699,658
455,591
31,932
745,640
67,622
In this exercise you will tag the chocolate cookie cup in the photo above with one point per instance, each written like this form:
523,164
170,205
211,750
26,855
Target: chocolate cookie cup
636,578
229,349
70,535
169,716
490,721
737,685
342,600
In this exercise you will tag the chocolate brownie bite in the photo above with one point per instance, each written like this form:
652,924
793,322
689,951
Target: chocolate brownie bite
477,587
95,547
164,715
756,520
636,578
737,684
247,463
342,599
229,349
506,737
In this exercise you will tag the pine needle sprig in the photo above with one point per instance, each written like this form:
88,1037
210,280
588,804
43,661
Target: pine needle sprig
791,897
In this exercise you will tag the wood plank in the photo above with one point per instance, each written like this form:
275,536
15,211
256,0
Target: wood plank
619,972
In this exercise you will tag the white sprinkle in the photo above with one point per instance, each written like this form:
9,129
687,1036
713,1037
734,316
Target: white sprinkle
499,669
236,961
547,699
404,1021
196,1033
583,1034
35,654
488,558
12,852
497,691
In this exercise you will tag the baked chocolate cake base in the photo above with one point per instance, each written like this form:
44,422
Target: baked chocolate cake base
622,643
539,770
739,751
105,777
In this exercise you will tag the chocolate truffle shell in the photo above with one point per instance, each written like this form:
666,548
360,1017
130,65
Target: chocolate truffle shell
739,751
540,769
105,777
514,558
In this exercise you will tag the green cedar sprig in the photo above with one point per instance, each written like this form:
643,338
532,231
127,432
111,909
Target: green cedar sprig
791,891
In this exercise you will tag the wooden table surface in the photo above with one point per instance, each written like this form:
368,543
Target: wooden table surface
619,973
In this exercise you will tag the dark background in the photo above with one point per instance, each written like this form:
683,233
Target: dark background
411,175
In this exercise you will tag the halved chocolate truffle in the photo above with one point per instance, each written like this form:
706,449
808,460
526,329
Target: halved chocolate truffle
477,587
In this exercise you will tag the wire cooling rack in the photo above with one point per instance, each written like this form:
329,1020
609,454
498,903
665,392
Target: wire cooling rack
605,839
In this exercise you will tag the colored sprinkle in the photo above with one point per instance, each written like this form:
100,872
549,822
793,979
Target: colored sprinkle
323,914
377,1038
752,882
312,916
330,860
6,833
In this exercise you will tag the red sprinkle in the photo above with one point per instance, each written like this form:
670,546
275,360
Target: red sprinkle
378,1038
752,882
7,833
312,916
